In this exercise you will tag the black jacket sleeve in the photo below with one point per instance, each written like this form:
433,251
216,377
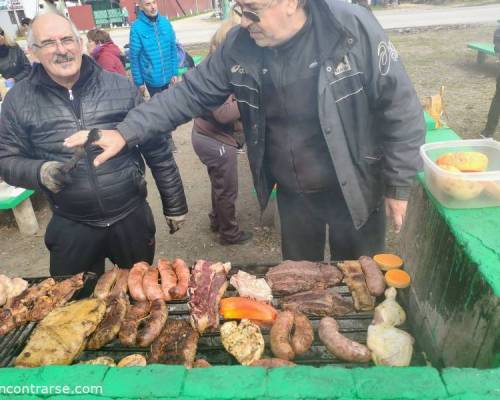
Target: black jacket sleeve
202,89
18,167
23,63
160,160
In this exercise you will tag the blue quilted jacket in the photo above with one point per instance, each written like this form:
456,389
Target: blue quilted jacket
153,54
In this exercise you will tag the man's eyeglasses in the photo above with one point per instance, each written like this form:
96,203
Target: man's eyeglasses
52,44
250,15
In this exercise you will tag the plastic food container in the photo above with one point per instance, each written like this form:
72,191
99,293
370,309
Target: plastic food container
463,189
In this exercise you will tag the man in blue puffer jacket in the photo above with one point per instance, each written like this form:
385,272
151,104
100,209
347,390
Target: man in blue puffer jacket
153,53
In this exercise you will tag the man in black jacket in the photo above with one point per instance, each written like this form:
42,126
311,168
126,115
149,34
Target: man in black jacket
329,115
97,212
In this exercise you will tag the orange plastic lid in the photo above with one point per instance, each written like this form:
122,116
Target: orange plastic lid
397,278
387,261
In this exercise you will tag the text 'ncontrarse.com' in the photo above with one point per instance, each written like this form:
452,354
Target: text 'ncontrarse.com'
55,389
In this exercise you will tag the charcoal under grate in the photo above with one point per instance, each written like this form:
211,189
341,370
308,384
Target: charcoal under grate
210,347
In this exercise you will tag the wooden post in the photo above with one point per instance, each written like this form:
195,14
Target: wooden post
25,218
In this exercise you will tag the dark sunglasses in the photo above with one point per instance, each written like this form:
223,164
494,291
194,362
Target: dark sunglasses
250,15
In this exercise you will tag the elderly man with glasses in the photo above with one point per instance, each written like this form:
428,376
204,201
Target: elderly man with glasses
329,115
100,212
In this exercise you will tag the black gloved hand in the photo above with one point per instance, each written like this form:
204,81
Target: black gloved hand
53,177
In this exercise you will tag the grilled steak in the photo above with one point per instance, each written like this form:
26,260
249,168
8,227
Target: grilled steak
207,284
355,280
60,337
298,276
110,325
150,327
135,313
320,303
56,296
176,344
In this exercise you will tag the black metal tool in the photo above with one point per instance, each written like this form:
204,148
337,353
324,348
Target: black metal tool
80,151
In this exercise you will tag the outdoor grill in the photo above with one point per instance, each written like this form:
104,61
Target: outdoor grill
210,347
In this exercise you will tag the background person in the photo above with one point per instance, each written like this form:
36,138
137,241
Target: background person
216,138
100,212
494,111
104,51
14,65
153,52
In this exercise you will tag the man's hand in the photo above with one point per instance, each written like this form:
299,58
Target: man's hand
142,89
174,80
53,177
396,210
111,142
175,223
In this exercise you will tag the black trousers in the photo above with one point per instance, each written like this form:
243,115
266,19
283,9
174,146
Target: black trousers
76,247
494,113
222,166
304,218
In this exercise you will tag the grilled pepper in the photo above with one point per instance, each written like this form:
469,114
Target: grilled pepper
244,308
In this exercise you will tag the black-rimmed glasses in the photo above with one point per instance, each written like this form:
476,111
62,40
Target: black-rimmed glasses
250,15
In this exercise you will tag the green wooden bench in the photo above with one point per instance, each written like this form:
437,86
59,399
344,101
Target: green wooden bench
483,50
20,205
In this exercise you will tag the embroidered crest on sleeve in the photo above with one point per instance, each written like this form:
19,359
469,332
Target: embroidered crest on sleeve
386,53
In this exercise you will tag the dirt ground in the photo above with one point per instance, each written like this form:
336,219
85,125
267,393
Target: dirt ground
433,57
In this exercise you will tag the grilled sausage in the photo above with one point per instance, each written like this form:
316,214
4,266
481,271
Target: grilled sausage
339,345
201,363
105,283
272,363
280,333
303,337
182,272
135,278
135,314
133,360
373,276
121,284
152,325
151,286
168,278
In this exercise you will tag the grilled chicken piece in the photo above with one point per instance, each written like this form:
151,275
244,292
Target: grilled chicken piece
319,303
56,296
17,310
150,327
243,341
105,283
60,337
207,285
291,277
176,344
135,314
111,323
355,280
121,285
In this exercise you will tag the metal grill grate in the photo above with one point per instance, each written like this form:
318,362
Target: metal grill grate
210,347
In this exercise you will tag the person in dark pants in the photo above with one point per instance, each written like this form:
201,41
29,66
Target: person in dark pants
494,112
329,115
98,212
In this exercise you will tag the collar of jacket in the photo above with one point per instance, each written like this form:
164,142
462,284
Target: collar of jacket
144,18
334,39
88,70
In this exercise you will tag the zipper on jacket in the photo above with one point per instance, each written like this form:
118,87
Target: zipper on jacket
71,98
157,34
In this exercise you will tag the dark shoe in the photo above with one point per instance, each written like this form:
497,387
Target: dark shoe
244,237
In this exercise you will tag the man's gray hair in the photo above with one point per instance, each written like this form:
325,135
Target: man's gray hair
31,36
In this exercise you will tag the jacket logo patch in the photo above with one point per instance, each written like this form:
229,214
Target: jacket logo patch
343,66
237,68
386,53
